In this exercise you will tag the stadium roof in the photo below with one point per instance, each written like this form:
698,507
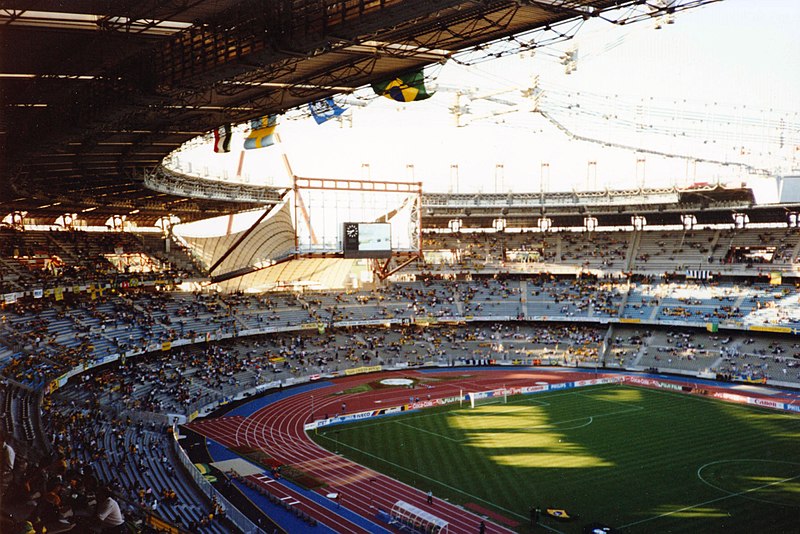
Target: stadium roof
709,203
94,94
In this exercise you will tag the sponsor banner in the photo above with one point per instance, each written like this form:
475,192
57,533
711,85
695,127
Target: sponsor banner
774,329
792,407
361,370
649,382
165,346
366,322
314,377
10,298
732,397
422,404
766,402
597,381
533,389
105,359
308,326
451,320
562,385
629,320
38,293
488,318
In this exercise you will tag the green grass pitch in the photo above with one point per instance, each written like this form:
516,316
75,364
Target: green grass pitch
635,459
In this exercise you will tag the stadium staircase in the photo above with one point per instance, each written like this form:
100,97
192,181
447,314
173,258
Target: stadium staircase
715,240
523,298
606,345
795,252
633,247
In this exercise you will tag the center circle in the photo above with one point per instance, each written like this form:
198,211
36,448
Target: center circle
731,477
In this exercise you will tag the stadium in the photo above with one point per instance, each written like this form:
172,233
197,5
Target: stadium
290,338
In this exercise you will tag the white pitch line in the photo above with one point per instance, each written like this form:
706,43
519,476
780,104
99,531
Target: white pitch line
745,492
551,529
457,490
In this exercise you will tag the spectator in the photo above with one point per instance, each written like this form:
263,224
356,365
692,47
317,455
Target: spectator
7,458
109,514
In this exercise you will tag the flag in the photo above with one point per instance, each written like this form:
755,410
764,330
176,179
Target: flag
407,87
775,278
222,138
712,327
261,130
324,110
558,513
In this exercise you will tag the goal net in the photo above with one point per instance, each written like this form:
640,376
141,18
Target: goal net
494,396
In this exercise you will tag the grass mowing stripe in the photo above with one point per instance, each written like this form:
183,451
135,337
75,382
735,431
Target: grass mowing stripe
643,461
421,475
419,429
555,425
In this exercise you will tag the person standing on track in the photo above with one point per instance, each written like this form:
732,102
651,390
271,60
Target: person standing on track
430,497
482,528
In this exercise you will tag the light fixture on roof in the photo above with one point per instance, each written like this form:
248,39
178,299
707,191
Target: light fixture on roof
740,220
638,222
544,223
792,219
590,223
455,225
689,221
499,224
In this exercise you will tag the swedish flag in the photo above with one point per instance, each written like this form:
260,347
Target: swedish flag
261,132
409,87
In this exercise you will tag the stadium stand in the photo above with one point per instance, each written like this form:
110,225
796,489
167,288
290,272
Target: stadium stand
541,319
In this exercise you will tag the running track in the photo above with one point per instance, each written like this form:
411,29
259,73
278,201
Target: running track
278,429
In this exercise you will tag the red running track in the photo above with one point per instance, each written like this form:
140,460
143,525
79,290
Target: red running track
278,430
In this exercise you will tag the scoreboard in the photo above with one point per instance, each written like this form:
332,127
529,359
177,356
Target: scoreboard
367,240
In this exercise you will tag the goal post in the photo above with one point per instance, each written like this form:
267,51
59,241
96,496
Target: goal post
493,396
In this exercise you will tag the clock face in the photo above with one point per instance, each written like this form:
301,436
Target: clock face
352,230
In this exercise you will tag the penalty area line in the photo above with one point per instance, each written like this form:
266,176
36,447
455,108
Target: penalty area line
745,492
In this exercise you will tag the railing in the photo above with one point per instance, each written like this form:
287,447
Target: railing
241,521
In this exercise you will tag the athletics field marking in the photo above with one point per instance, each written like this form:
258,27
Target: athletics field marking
433,480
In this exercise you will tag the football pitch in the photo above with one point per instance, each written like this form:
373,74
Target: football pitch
638,460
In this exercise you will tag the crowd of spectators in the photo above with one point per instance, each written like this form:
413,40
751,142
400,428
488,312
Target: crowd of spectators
93,427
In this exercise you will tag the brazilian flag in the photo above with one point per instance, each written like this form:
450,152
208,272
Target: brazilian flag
558,513
408,87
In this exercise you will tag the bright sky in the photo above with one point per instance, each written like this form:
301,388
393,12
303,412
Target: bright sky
716,84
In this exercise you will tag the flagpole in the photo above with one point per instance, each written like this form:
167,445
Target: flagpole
241,164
